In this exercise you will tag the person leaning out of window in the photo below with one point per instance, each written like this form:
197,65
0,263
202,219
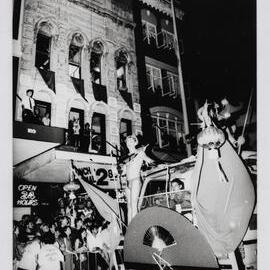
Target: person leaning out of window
28,105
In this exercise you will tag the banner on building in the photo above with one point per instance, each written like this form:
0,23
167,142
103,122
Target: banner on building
102,175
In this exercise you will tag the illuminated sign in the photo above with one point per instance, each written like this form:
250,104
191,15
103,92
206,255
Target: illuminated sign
26,195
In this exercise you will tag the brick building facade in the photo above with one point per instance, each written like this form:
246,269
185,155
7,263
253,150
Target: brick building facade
79,57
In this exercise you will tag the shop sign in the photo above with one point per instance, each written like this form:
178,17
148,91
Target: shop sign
26,195
103,175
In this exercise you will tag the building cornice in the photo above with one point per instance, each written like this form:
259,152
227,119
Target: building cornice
104,12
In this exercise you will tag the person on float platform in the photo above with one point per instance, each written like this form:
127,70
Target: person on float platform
132,168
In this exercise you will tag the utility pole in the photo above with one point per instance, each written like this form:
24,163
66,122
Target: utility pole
180,77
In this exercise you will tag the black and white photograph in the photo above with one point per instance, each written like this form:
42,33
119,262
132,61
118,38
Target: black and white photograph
134,135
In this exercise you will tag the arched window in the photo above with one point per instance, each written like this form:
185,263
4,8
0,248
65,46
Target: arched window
95,61
46,31
43,47
74,58
121,60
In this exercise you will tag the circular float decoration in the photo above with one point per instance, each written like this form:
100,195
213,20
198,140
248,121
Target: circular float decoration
160,236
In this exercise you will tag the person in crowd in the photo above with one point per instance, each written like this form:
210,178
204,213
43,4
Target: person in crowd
68,251
37,117
29,257
85,140
46,119
24,220
18,248
61,207
81,215
49,256
38,220
64,221
52,227
87,210
44,228
28,105
75,231
132,168
59,241
29,230
71,214
76,131
80,247
96,244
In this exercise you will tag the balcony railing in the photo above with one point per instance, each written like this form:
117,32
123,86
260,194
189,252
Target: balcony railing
38,132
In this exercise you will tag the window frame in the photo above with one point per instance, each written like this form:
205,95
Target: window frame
171,78
38,52
102,132
165,39
48,105
166,128
92,69
146,35
152,78
74,64
81,117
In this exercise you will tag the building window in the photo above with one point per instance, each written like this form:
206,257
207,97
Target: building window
43,51
154,79
99,133
44,112
167,40
95,61
16,18
75,126
172,84
74,61
121,69
168,131
125,130
149,33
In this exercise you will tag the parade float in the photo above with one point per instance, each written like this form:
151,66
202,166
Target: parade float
215,213
211,223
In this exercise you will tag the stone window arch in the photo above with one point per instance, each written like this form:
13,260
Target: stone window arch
46,35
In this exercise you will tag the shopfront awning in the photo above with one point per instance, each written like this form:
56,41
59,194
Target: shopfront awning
53,166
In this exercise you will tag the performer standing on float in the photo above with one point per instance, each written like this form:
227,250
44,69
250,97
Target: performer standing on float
132,169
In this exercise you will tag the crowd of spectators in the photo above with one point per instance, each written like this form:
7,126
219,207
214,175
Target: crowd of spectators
73,240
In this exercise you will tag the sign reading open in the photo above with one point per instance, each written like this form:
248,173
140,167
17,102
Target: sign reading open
26,195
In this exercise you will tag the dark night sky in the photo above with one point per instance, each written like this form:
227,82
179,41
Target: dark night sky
220,47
